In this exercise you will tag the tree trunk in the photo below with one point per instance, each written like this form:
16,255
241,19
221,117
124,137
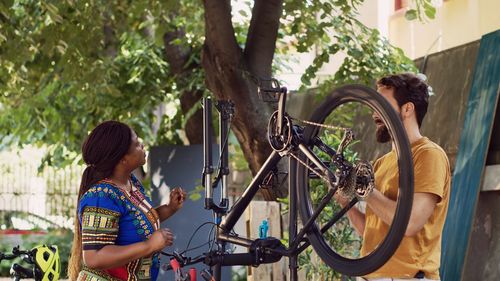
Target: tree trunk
178,57
230,73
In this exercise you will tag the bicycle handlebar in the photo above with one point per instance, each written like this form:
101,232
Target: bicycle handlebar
15,254
7,257
183,262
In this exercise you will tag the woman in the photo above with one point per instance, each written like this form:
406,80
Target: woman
117,231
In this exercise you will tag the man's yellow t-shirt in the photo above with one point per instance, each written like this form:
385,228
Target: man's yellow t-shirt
421,252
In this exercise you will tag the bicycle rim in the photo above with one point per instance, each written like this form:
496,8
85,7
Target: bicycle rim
328,252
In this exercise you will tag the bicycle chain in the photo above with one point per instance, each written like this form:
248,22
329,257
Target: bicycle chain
319,124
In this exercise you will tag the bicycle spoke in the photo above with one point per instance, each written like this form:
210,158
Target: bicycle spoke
339,215
330,223
314,216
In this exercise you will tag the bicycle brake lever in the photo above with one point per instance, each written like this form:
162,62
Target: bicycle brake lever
15,250
179,257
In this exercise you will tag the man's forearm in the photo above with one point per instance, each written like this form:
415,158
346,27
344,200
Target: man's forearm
422,208
383,207
357,219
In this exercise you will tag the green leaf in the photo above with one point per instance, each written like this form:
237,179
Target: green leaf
430,11
195,196
411,14
243,13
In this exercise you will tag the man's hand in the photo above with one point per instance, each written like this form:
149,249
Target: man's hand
356,218
342,200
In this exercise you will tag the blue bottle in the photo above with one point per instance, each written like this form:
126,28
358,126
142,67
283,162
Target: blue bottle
263,229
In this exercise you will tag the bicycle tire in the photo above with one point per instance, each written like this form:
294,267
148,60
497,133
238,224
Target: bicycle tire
378,257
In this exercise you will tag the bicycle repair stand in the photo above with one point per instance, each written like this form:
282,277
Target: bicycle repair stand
226,110
258,247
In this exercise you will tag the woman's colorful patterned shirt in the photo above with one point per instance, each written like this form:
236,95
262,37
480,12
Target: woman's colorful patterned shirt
111,216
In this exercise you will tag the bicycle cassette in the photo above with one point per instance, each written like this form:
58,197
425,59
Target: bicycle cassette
359,183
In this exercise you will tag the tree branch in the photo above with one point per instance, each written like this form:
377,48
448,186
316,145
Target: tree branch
176,55
219,30
262,35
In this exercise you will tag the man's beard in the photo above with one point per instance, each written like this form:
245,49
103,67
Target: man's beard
382,134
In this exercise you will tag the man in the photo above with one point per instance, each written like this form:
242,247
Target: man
418,256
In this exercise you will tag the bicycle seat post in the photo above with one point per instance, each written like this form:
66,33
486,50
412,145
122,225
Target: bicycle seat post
281,109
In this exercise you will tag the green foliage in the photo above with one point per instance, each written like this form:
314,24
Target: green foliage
62,73
341,236
239,273
196,193
68,65
423,10
330,28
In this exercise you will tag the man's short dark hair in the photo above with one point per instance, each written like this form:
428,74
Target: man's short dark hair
409,88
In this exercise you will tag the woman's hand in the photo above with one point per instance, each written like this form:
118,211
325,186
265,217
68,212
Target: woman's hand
160,239
111,256
177,197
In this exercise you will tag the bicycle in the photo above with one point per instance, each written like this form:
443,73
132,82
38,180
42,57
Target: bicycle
312,162
43,260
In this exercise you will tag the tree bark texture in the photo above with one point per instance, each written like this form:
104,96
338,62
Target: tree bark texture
178,57
230,73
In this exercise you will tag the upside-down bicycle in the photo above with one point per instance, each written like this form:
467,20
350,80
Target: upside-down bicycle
313,163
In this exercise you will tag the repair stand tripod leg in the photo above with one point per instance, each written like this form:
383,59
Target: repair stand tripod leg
292,212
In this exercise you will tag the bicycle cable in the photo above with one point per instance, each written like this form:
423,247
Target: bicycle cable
194,233
219,166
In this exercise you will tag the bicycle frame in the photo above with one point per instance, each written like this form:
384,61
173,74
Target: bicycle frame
261,250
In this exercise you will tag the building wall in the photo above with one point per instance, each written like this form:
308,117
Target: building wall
457,22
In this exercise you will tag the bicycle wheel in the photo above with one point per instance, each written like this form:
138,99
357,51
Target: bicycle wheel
316,136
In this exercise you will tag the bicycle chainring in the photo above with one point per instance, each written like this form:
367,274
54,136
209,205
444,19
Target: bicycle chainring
279,141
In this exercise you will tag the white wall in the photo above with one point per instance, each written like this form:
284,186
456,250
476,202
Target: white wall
457,22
